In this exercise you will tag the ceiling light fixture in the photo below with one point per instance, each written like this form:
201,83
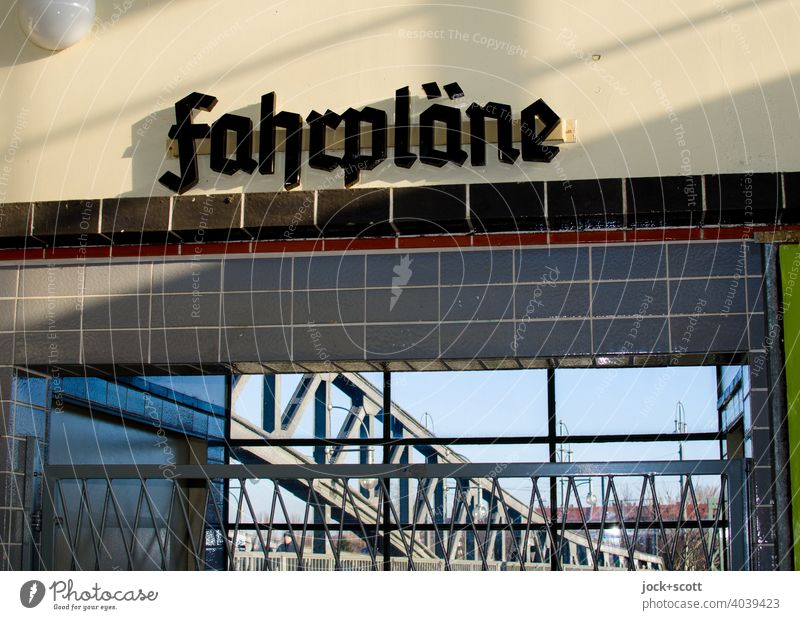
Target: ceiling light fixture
56,24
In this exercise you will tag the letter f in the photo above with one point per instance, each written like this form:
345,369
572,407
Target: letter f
185,132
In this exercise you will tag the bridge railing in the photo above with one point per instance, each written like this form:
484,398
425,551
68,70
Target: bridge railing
282,561
649,516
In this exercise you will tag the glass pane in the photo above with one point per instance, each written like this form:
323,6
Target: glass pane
635,400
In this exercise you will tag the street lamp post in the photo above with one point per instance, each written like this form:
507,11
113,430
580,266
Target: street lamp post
680,427
565,456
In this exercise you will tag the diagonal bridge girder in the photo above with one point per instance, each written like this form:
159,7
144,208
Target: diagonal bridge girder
367,408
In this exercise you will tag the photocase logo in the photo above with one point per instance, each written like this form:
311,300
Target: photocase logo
402,274
31,593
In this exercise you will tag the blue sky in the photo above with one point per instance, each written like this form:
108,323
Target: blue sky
589,401
494,403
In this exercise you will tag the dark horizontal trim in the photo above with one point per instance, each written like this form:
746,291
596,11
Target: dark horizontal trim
474,441
632,360
497,240
630,524
599,206
310,471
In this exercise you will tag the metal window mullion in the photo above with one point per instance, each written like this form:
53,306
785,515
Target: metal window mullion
387,435
555,547
223,524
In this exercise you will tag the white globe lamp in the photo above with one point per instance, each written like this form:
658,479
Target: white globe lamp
56,24
368,484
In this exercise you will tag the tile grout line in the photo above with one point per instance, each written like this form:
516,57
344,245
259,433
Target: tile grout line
293,260
439,302
221,307
591,304
150,314
669,297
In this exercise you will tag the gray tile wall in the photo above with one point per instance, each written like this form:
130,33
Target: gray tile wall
529,302
672,298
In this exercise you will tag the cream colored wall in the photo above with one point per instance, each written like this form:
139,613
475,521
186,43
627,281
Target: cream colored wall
91,121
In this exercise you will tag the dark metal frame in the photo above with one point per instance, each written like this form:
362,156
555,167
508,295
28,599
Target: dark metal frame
732,496
734,549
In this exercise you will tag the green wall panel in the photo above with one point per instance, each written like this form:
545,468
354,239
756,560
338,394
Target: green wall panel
790,282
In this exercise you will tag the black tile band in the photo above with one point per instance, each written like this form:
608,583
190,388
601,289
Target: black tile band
759,199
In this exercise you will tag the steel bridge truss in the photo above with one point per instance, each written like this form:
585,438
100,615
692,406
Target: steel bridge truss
132,517
444,513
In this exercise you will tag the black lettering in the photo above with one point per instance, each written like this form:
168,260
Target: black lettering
353,161
532,148
477,132
403,157
363,150
242,128
185,132
318,126
428,153
293,124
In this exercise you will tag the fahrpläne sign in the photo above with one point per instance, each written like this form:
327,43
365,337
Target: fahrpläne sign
362,150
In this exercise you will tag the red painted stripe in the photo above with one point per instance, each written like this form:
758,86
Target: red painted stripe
387,243
260,247
197,249
587,236
144,251
341,245
22,255
77,253
449,241
727,233
510,239
664,234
